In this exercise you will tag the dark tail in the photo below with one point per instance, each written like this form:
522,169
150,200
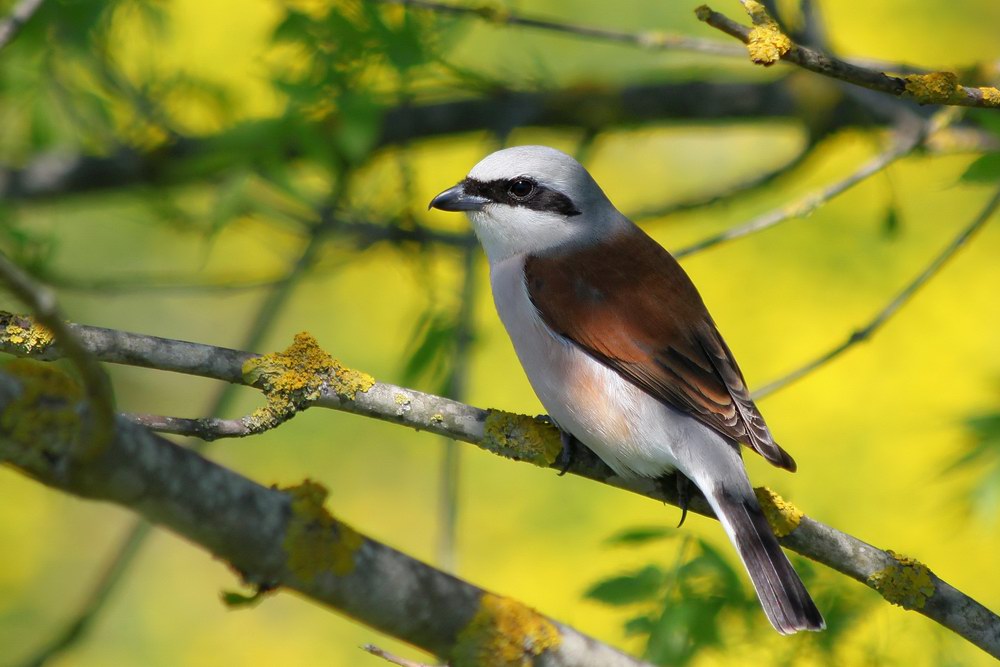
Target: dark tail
782,595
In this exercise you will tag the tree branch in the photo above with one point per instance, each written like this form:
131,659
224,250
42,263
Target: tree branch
868,330
283,538
500,111
906,139
652,39
21,14
43,303
900,580
767,44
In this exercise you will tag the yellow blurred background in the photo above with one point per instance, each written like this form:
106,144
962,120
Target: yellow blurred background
873,433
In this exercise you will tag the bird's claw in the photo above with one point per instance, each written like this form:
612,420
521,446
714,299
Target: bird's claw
568,452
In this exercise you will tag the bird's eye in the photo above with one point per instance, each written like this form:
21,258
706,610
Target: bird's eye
520,188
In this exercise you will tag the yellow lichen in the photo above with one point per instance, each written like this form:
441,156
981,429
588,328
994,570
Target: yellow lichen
783,516
24,333
503,633
315,541
43,422
991,96
766,43
907,583
521,438
294,378
934,88
437,418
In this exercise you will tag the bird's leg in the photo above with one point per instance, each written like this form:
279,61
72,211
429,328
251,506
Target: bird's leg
568,452
683,487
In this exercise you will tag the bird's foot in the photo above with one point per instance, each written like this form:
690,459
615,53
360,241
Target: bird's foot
683,487
568,452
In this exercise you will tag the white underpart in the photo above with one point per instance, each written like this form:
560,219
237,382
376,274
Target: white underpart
630,430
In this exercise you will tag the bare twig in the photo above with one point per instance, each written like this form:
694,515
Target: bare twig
95,381
394,659
653,40
207,429
905,141
21,14
868,330
756,182
767,44
526,439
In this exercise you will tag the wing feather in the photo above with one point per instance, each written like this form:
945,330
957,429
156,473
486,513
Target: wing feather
629,304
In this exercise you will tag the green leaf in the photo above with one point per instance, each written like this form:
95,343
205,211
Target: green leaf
640,535
640,586
235,600
985,169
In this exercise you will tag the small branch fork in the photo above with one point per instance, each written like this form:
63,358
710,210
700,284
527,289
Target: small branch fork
287,538
42,302
767,44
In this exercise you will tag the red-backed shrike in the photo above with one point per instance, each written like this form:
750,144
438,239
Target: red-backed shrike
621,350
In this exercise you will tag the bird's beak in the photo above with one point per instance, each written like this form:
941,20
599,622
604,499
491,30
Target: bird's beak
456,199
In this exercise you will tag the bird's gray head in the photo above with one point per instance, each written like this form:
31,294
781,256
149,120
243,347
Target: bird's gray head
531,199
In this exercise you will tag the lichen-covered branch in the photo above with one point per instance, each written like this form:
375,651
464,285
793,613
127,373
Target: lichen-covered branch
51,326
535,440
766,45
273,537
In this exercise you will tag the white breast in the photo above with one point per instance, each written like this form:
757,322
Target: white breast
630,430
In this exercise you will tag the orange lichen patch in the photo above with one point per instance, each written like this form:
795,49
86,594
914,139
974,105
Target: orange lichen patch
782,516
42,425
294,378
24,333
503,633
907,583
315,541
767,43
934,88
521,438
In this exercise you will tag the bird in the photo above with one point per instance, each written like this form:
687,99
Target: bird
621,350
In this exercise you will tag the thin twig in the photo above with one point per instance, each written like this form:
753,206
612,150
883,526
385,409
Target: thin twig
905,141
757,181
207,429
932,88
394,659
42,302
653,40
21,14
868,330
